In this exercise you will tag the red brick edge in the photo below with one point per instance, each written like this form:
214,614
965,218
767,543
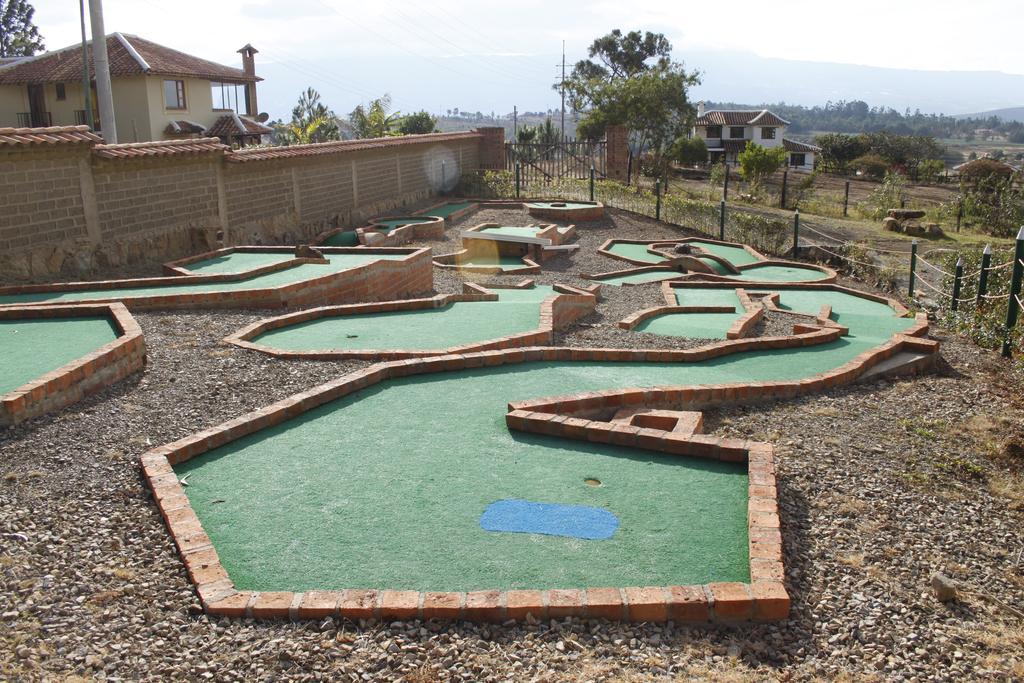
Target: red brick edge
740,328
375,280
830,274
72,382
764,598
593,211
180,266
556,312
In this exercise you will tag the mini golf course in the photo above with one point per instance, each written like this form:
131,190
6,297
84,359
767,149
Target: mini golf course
752,267
52,356
702,325
32,347
225,282
478,472
455,325
442,496
237,262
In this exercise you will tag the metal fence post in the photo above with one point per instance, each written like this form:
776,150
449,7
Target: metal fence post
986,262
1013,307
958,277
721,220
657,199
725,187
517,180
591,182
959,214
846,200
629,168
913,268
785,178
796,233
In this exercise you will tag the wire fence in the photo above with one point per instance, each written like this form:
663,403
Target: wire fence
967,285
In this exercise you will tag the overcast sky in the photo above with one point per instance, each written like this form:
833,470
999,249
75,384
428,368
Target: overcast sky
439,54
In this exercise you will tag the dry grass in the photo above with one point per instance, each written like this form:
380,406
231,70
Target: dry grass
1008,485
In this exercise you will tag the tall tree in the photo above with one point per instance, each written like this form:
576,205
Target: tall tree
312,121
376,120
19,36
630,79
417,124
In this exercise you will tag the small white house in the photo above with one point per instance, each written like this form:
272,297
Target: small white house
727,131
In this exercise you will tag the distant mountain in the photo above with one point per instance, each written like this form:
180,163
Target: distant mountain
499,83
732,76
1008,114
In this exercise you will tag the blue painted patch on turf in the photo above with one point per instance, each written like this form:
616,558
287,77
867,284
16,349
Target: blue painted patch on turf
552,519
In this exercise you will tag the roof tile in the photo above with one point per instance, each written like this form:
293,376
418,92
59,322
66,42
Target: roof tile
161,148
65,65
263,153
55,135
737,117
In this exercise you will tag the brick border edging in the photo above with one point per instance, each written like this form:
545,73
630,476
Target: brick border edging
451,262
740,327
556,312
764,598
388,279
180,266
593,211
83,376
831,275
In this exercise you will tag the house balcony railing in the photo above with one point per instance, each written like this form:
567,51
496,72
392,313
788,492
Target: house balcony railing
82,119
36,119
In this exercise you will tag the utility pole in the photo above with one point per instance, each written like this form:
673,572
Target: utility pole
86,83
101,66
563,91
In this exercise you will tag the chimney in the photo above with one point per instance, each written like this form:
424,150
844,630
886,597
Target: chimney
249,67
700,109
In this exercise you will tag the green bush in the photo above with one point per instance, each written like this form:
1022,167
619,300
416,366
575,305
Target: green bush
765,233
984,324
871,165
886,196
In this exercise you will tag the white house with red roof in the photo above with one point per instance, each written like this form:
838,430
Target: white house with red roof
726,132
159,93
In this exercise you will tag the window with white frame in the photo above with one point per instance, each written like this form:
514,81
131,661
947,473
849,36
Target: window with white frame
736,132
768,133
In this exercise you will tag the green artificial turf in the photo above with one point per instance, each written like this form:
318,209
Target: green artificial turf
517,310
636,252
697,325
384,488
238,262
301,272
638,278
446,210
30,348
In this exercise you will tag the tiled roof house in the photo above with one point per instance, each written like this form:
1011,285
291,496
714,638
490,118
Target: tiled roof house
727,132
159,93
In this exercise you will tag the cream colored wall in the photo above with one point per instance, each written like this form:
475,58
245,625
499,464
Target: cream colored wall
198,103
131,109
13,99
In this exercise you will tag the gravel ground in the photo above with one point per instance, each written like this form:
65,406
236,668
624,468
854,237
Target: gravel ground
880,485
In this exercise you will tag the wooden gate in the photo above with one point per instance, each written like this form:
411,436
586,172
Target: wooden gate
542,163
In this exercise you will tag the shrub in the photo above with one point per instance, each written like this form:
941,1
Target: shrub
716,178
929,170
886,196
757,163
689,151
871,165
765,233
